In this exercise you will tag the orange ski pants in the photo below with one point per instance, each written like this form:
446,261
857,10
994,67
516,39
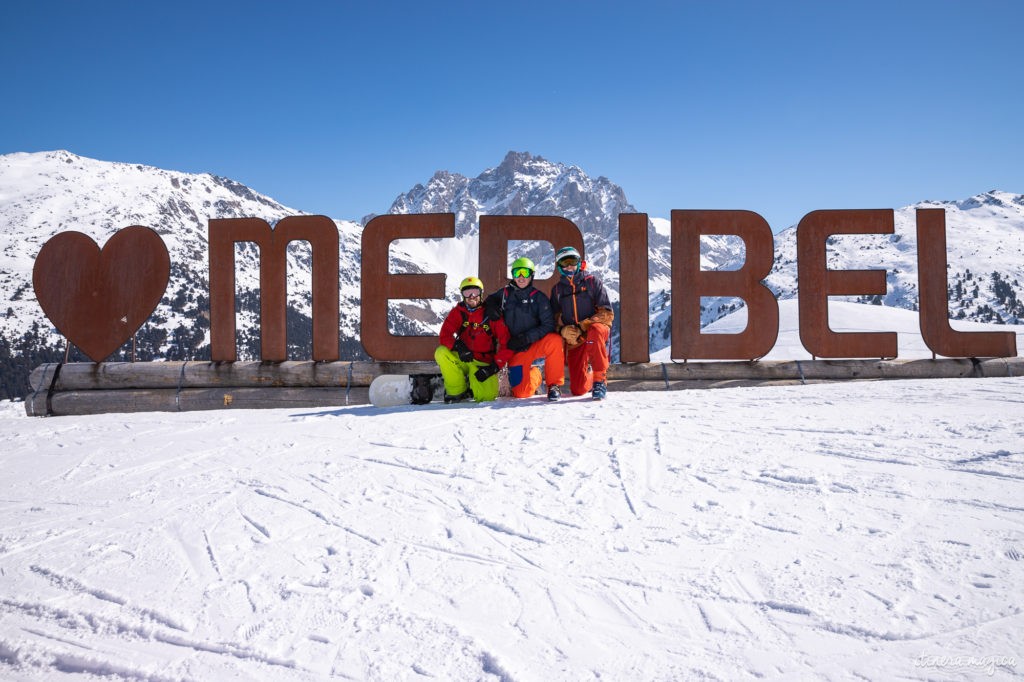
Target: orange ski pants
548,347
588,362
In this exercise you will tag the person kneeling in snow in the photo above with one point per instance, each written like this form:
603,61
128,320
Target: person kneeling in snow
472,348
583,317
526,312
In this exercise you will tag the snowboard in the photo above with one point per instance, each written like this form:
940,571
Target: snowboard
391,390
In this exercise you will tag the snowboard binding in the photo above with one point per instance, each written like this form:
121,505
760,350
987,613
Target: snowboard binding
422,390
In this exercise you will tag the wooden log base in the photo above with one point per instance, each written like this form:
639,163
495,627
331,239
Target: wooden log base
191,399
99,388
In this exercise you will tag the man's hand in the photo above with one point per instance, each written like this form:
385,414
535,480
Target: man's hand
518,342
571,333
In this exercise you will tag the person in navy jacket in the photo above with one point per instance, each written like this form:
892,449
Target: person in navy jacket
583,317
527,314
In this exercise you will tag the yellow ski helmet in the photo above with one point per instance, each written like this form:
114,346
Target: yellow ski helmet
471,282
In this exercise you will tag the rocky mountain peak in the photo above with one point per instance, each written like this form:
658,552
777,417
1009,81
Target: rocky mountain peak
519,162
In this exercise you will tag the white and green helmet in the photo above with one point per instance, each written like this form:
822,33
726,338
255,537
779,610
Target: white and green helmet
562,254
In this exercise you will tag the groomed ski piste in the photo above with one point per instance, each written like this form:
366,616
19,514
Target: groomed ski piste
869,530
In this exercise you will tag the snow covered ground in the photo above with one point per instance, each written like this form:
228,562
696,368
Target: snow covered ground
839,531
870,530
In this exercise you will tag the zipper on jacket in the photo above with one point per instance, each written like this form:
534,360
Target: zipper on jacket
575,311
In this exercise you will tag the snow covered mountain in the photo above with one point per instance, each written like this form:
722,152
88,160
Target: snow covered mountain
42,194
524,184
530,185
47,193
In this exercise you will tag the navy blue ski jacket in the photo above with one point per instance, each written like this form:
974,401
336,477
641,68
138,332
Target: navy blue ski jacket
525,311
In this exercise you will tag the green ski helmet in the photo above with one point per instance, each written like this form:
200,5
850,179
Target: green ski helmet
523,262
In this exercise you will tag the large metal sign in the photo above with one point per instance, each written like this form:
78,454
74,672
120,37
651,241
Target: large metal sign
98,298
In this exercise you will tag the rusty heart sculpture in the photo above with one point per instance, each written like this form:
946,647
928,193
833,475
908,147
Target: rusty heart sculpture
98,298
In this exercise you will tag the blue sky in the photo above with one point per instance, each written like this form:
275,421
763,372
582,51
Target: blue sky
337,107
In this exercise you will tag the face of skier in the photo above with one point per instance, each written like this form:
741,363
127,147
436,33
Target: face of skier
472,297
568,265
522,277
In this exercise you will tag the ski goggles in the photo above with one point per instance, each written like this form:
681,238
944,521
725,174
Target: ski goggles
522,272
571,260
471,296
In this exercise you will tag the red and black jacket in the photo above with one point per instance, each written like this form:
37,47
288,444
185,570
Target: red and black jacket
486,338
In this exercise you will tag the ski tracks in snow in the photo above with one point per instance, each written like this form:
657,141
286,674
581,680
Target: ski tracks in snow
645,537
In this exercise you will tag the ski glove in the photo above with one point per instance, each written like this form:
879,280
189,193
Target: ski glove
571,333
465,354
518,342
485,372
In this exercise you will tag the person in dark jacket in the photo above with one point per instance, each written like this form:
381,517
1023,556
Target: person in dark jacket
527,314
472,348
583,316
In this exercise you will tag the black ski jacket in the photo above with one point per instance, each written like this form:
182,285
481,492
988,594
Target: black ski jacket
525,311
